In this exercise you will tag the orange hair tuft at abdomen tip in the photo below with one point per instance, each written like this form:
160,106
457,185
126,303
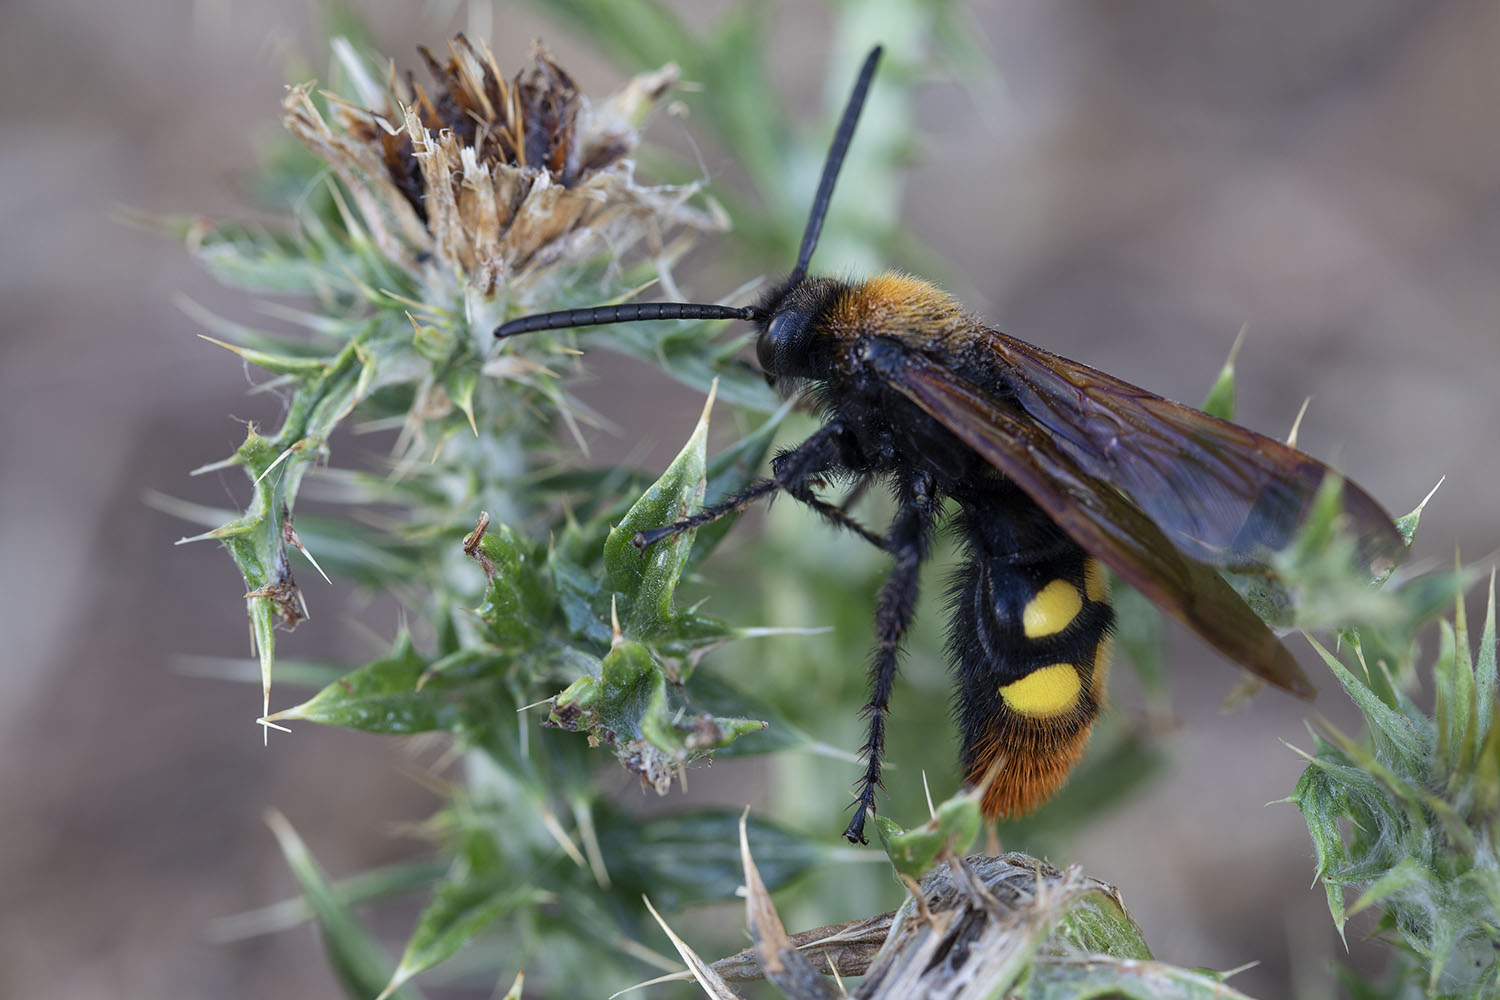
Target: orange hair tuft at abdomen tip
1034,766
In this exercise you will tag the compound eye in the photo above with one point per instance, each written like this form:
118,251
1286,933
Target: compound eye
779,344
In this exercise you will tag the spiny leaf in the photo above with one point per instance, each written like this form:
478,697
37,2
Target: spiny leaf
1220,399
1486,676
281,364
714,693
356,959
577,592
516,603
1404,874
1404,738
1453,697
384,696
1105,979
950,831
374,884
627,707
732,470
460,908
1407,524
1321,802
646,580
690,858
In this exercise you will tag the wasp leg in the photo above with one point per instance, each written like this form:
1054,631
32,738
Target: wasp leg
836,516
793,472
908,541
732,504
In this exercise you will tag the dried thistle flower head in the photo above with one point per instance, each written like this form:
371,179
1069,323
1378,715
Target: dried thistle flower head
494,183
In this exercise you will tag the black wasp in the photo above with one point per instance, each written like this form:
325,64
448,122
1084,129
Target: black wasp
1056,471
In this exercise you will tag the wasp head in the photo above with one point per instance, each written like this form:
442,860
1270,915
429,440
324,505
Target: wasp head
792,320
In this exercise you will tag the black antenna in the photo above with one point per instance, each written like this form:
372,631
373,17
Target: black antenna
600,315
833,163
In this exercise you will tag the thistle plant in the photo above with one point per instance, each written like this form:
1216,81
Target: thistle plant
439,195
441,213
430,213
1407,816
549,650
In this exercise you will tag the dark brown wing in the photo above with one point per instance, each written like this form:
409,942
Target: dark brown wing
1099,518
1220,493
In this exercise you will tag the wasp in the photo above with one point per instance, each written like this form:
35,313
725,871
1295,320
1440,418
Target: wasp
1049,472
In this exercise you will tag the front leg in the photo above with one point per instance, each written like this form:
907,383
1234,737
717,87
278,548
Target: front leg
908,542
792,471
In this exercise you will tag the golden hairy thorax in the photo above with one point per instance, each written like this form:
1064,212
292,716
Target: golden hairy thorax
898,305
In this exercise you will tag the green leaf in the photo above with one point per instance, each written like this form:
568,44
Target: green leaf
281,364
374,884
1220,399
1100,925
1105,979
1453,696
692,857
577,592
1406,741
731,471
948,832
460,908
1322,802
626,707
381,697
357,960
516,602
461,383
1406,873
646,580
1407,524
715,694
1485,673
261,262
359,554
612,706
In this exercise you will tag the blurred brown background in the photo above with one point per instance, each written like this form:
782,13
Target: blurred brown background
1144,179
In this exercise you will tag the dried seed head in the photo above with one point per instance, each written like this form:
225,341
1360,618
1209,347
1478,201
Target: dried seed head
495,182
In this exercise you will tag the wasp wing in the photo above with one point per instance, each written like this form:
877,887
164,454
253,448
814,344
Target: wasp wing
1221,494
1099,517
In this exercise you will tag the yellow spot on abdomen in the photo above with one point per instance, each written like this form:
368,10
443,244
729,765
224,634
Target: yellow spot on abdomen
1050,611
1095,580
1051,690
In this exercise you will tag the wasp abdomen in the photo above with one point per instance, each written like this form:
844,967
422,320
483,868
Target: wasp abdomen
1029,640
